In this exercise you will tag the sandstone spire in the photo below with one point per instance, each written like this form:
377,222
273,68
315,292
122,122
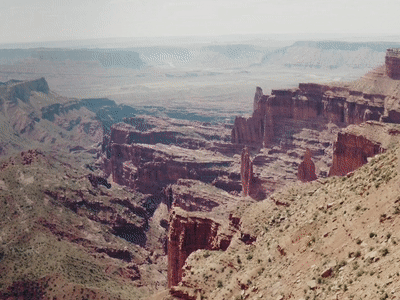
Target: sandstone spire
306,170
246,172
392,62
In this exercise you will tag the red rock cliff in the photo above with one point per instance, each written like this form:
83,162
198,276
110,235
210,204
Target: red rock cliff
309,101
358,142
392,62
151,166
189,232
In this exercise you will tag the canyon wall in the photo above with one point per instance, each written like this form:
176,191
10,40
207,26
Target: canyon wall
339,104
147,167
148,160
356,143
309,101
188,233
200,218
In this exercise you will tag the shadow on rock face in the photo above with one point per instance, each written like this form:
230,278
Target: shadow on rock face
132,234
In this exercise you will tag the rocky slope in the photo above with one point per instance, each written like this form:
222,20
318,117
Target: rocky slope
195,276
31,115
65,235
335,239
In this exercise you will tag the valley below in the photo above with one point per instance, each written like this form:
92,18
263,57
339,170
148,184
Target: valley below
169,173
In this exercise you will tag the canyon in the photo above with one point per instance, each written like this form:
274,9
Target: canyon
160,195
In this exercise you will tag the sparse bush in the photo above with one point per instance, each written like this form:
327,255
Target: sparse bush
342,263
219,284
358,207
385,251
249,257
357,254
372,234
384,296
358,241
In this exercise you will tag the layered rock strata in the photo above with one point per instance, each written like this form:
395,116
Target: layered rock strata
187,234
144,156
200,218
307,102
152,130
392,62
147,167
356,144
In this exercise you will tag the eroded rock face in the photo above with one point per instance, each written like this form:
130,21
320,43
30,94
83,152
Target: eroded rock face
309,101
150,167
188,233
306,169
358,142
351,152
392,62
246,172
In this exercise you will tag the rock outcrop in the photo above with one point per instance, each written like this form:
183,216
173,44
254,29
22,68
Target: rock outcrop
149,154
357,143
30,114
18,89
187,234
152,130
306,169
201,217
392,62
246,172
194,195
149,167
309,101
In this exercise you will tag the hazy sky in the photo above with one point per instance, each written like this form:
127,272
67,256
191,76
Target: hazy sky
51,20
